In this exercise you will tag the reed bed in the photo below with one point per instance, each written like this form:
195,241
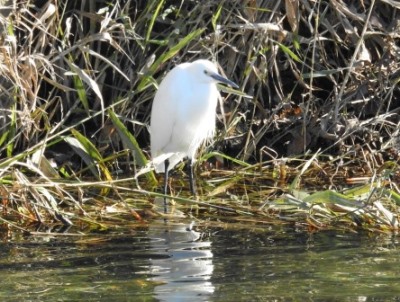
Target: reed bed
312,139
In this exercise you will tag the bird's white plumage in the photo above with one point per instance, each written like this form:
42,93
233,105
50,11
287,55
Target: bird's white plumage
183,112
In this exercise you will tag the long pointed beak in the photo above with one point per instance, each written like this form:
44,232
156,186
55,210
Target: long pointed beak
221,79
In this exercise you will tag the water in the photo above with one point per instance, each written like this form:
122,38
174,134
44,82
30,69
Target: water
178,260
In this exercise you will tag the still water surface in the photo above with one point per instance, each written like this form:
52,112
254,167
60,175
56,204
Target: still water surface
178,260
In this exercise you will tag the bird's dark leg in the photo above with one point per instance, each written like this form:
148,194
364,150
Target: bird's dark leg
166,164
191,178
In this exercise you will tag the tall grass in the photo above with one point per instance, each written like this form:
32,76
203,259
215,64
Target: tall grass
78,78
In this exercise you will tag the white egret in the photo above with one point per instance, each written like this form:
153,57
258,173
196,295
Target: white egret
183,115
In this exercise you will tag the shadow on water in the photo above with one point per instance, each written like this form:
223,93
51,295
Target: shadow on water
176,259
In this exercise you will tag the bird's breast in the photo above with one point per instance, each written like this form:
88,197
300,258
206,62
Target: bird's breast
201,103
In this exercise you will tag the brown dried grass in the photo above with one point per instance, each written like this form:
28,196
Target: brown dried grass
323,76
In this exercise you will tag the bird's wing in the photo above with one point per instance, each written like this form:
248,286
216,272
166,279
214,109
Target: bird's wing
165,116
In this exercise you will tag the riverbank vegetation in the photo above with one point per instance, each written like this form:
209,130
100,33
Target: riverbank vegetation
311,139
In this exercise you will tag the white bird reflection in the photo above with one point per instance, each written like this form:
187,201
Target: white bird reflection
181,263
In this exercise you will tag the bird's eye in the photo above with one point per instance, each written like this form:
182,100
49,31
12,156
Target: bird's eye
205,72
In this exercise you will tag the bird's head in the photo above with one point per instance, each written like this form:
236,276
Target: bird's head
207,72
